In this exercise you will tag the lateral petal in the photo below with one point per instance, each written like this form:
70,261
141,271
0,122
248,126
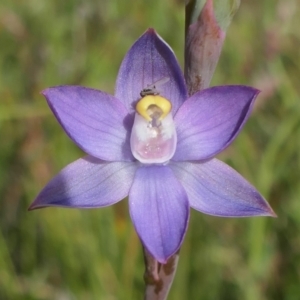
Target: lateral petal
97,122
210,120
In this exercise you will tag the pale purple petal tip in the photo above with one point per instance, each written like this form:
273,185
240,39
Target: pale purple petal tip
97,122
149,60
210,120
159,210
216,189
87,183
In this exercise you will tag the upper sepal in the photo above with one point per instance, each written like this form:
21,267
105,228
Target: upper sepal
149,60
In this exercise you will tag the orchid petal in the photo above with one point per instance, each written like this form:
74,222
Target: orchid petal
210,120
87,183
97,122
159,210
149,60
216,189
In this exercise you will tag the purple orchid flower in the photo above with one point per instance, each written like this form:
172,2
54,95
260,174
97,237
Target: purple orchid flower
155,144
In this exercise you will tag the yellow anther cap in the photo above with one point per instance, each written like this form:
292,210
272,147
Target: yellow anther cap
143,106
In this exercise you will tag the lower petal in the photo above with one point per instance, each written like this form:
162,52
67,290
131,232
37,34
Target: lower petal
159,210
216,189
87,183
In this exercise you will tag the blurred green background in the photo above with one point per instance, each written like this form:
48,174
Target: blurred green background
65,254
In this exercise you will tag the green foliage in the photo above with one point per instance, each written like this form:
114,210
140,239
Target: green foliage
95,254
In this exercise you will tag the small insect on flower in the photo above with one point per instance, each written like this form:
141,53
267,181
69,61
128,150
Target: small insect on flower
153,136
151,89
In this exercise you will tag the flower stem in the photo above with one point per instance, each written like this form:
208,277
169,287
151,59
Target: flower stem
159,277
